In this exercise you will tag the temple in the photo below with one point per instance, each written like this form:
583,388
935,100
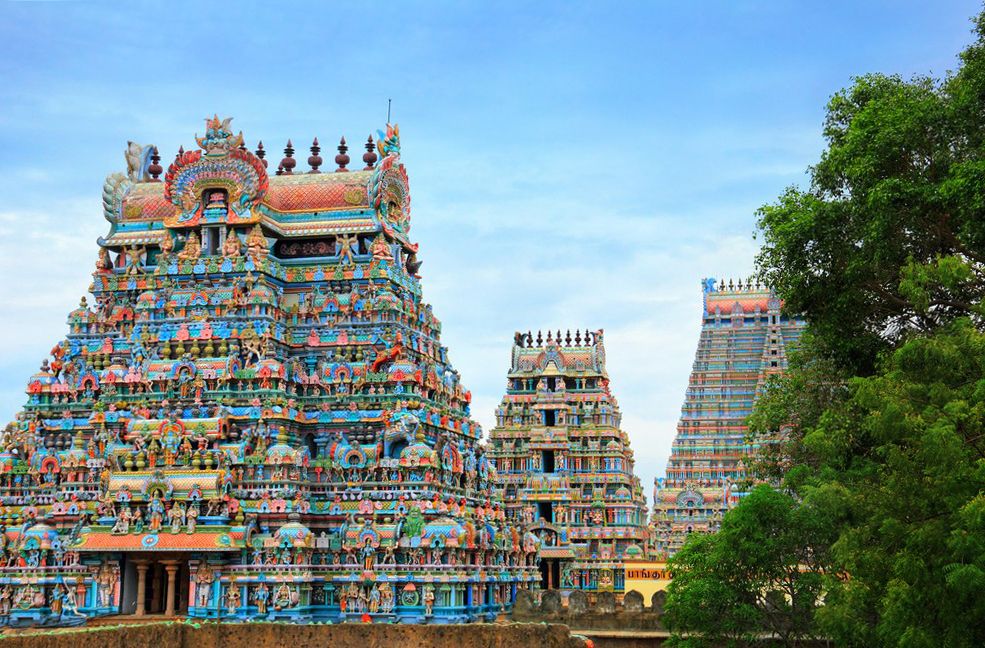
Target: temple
255,417
745,338
564,466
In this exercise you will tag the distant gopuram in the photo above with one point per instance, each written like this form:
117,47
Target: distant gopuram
254,417
564,467
745,338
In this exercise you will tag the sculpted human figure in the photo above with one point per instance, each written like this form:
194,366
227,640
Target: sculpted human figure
5,599
386,598
167,247
177,516
256,243
283,598
260,597
233,598
156,511
191,518
381,249
428,599
135,256
103,262
203,586
57,597
232,247
69,603
192,249
122,520
344,244
106,581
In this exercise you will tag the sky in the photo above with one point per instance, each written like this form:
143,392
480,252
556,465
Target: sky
572,164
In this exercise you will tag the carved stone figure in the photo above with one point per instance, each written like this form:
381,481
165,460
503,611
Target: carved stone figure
232,598
232,247
192,249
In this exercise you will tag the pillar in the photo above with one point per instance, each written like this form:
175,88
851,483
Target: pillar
141,587
172,569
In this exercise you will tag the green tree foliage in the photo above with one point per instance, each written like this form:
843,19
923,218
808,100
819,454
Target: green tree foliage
759,577
902,459
897,460
878,428
889,239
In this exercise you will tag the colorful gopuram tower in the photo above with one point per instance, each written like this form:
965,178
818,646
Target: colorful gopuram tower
564,466
745,338
255,416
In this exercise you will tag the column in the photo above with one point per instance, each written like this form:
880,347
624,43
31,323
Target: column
141,587
172,569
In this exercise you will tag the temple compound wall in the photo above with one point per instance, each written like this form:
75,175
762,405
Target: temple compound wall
276,635
745,338
254,416
564,466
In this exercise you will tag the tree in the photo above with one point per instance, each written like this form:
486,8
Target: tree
889,239
883,413
757,580
903,459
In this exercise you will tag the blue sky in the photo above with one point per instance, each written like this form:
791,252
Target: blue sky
571,164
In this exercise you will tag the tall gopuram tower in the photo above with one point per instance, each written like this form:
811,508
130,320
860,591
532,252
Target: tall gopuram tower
254,416
564,467
745,338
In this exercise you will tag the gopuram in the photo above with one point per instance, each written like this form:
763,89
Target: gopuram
254,416
745,337
564,466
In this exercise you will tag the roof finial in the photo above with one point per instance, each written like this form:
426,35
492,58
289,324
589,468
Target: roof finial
155,169
280,169
314,160
369,157
261,153
181,151
288,162
342,158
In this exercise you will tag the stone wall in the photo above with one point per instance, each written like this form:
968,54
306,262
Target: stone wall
276,635
607,621
605,612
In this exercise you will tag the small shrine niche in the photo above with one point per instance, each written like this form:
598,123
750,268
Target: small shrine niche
215,205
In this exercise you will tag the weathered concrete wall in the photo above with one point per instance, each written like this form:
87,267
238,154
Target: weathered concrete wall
606,613
276,635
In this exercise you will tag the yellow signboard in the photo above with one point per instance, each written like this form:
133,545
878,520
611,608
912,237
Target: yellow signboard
646,577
